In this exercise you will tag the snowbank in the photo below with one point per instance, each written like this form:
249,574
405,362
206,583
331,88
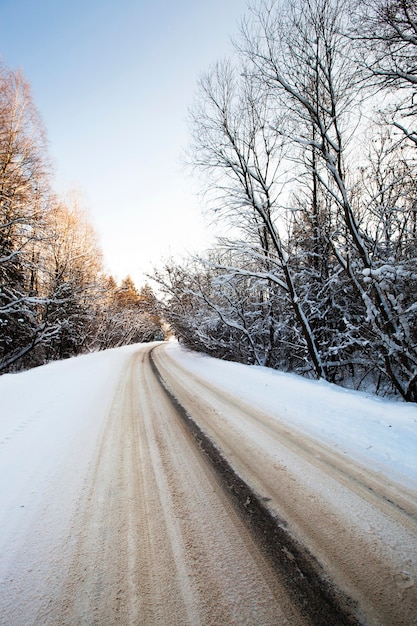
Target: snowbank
379,433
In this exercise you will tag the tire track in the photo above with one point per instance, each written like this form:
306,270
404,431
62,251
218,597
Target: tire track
155,539
397,500
362,530
306,582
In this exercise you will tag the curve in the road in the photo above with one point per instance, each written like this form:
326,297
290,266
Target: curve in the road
361,528
307,583
156,540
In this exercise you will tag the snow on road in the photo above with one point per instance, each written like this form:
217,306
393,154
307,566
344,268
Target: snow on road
359,520
108,515
58,421
380,433
157,541
50,420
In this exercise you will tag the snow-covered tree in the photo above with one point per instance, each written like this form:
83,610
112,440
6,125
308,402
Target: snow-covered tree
72,272
128,315
321,243
55,299
298,51
235,144
386,31
23,198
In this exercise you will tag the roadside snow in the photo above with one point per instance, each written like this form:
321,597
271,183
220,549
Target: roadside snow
378,433
51,418
48,411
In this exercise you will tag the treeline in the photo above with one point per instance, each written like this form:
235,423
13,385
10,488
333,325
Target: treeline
56,300
306,142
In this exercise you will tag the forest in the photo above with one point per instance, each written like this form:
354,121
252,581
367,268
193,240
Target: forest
56,299
305,145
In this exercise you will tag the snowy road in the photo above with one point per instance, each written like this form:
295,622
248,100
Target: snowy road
157,541
128,514
361,528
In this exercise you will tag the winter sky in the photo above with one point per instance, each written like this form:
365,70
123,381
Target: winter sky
113,81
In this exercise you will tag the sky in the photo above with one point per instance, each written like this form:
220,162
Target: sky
113,82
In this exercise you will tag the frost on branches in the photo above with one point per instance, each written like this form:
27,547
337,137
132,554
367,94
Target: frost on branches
306,146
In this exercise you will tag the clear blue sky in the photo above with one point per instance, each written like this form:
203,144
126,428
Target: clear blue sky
113,80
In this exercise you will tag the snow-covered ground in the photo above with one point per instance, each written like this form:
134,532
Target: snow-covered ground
46,412
379,433
51,418
52,421
45,409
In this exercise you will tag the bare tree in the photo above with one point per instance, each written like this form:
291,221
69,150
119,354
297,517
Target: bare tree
386,31
235,144
23,198
298,51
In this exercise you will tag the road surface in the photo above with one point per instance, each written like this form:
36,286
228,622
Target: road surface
196,509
